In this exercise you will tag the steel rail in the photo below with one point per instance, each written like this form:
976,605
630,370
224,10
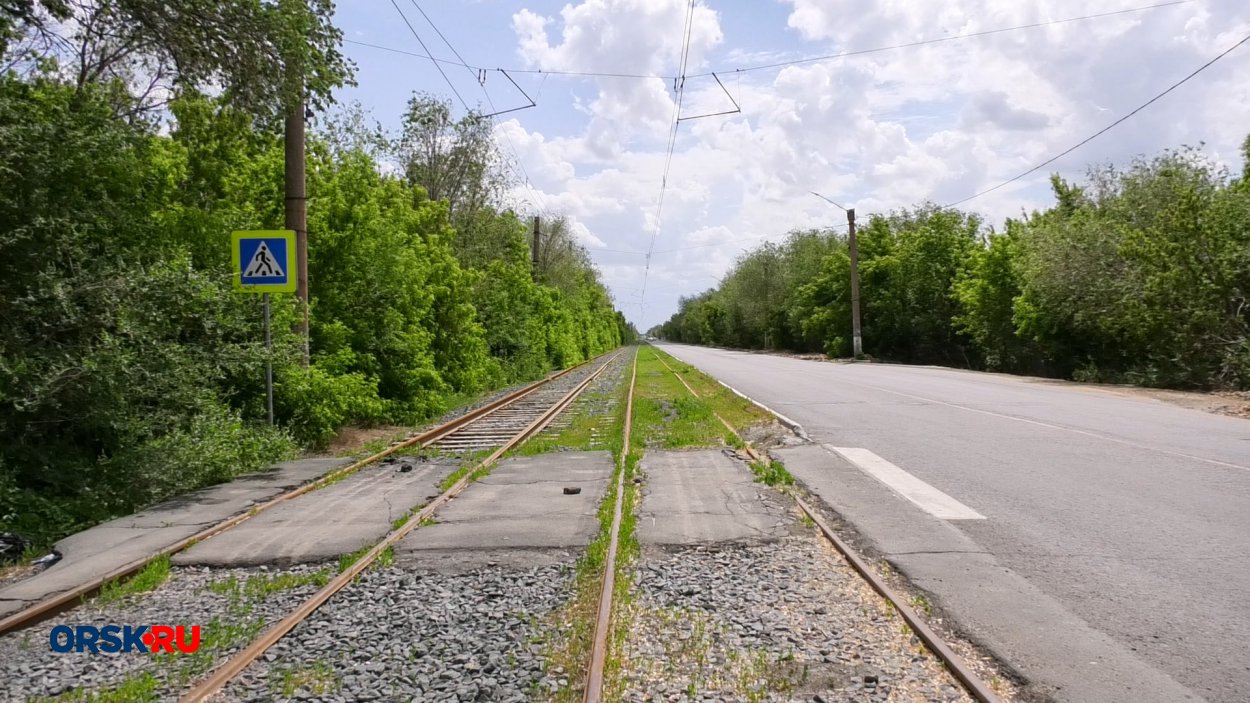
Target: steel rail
603,621
953,662
236,664
50,606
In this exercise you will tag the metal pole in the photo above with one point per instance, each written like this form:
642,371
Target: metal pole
534,248
857,338
297,210
268,360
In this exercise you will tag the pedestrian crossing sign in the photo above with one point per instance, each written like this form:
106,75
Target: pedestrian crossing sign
263,261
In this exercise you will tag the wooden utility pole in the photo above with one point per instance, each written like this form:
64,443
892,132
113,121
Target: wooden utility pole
534,246
297,210
857,340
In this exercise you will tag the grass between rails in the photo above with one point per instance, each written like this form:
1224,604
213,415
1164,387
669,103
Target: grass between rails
669,417
682,420
571,653
586,430
737,411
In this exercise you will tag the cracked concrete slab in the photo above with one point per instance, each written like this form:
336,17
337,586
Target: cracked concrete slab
113,544
1045,642
326,523
692,497
520,507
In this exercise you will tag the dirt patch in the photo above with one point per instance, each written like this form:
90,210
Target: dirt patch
769,435
350,439
12,573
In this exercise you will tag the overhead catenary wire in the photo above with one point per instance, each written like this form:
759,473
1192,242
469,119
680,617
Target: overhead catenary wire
939,40
790,62
1106,129
679,86
436,63
523,175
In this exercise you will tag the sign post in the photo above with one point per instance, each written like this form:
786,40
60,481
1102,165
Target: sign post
262,264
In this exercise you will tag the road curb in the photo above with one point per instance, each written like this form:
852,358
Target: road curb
795,427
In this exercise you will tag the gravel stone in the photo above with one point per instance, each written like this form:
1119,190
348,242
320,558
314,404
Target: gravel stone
782,621
30,669
422,635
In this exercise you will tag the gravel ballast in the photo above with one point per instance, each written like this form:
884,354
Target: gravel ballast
229,605
780,621
419,635
393,635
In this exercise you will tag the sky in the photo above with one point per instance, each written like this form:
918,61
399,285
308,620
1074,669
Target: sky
877,130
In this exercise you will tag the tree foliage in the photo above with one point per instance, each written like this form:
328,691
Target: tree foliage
129,368
1140,274
150,50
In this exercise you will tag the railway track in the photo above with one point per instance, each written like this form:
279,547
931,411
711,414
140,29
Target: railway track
498,427
501,426
594,693
490,425
527,414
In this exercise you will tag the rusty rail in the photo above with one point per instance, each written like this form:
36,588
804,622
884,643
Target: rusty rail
603,621
236,664
954,663
65,600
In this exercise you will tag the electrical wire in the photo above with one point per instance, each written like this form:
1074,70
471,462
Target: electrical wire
1106,129
680,89
437,64
794,62
405,52
523,175
939,40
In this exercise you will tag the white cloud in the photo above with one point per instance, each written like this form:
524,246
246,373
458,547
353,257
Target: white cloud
877,131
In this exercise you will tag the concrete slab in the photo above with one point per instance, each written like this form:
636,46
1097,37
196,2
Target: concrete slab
521,505
693,497
326,523
1045,642
105,547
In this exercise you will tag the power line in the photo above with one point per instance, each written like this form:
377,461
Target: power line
783,64
939,40
405,52
1106,129
437,64
680,88
523,175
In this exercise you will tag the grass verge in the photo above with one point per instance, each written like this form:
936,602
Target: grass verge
667,416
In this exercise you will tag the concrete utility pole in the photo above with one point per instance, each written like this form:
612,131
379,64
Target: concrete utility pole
537,242
297,210
857,340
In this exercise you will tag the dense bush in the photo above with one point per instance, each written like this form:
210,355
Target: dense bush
129,368
1141,275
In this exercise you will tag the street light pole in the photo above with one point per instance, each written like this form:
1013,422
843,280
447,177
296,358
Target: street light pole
857,339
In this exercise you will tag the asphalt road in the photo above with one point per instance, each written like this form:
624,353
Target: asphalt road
1131,514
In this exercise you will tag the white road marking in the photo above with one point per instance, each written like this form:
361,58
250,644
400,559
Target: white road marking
926,497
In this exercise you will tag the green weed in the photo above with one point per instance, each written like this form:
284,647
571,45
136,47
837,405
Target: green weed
140,688
147,579
317,678
772,473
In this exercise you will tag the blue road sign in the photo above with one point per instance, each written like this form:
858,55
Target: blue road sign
264,261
